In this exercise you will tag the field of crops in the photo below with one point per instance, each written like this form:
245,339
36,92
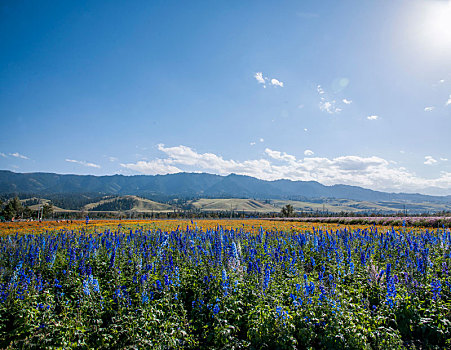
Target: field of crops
223,284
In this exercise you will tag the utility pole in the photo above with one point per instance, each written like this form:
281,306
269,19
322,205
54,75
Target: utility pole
39,210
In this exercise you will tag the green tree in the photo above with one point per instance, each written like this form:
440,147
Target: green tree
12,209
287,211
27,212
47,210
17,205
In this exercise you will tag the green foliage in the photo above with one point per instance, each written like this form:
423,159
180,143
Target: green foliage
47,210
12,209
287,211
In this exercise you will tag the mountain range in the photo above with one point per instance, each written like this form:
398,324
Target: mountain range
194,185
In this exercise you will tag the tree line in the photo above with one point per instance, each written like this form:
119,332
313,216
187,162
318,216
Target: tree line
14,210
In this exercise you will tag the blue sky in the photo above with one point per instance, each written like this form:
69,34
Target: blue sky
353,92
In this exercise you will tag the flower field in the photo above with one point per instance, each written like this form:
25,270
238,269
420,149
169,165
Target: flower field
415,221
223,284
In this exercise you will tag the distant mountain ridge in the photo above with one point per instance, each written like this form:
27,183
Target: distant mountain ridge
194,185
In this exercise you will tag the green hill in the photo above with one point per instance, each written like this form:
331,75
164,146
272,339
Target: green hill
127,203
232,204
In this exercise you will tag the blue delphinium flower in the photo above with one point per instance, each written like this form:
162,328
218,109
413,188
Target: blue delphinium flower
158,284
86,288
391,292
267,278
436,289
224,275
95,285
57,283
144,297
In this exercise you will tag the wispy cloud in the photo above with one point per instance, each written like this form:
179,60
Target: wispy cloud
308,152
449,101
113,159
3,155
84,163
252,143
326,104
262,139
263,80
429,160
346,102
259,77
329,107
372,117
371,172
18,155
429,109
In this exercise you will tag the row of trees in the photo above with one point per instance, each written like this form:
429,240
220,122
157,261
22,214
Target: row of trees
14,210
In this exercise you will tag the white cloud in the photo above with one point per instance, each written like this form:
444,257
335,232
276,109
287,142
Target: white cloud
308,152
3,155
429,109
84,163
372,117
252,143
259,77
441,81
346,102
113,159
325,104
18,155
305,129
280,155
444,159
153,167
429,160
449,101
371,172
276,82
262,139
329,107
262,80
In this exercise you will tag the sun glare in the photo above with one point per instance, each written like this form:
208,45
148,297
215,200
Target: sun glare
433,26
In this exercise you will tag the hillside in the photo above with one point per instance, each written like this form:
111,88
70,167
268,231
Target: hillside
233,204
129,204
352,206
135,204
